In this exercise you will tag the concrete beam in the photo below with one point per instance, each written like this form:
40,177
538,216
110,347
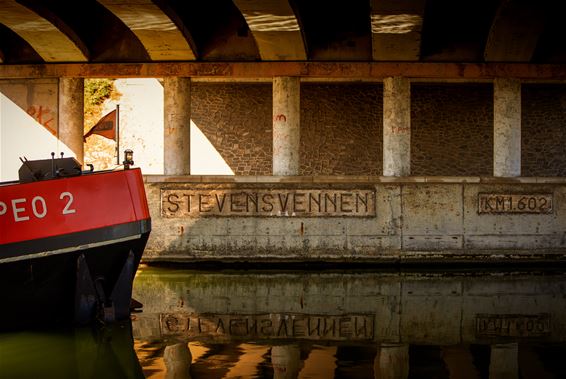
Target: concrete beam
46,39
347,71
155,30
396,29
275,29
515,31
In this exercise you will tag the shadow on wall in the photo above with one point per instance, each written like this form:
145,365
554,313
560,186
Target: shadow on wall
22,136
205,159
141,129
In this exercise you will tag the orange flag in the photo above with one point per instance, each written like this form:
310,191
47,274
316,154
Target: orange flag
105,127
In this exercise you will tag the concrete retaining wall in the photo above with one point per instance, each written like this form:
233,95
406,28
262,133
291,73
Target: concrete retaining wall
358,218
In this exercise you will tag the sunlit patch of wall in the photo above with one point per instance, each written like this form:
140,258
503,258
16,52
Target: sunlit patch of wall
236,119
21,135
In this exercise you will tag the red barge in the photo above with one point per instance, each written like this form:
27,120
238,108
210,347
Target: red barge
70,243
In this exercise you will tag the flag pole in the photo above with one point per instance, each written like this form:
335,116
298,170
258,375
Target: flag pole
118,134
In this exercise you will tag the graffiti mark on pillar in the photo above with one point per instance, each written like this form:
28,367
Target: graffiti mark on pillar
43,115
400,130
280,117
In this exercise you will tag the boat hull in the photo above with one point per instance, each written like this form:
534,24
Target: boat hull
43,291
71,267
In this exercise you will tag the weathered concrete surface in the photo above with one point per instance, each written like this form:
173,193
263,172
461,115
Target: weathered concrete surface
392,361
416,219
157,32
427,309
286,125
275,28
504,361
396,29
71,115
323,71
28,124
506,127
396,126
515,32
50,42
177,128
36,97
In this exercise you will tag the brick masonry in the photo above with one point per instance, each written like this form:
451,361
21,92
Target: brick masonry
341,128
451,129
236,118
543,130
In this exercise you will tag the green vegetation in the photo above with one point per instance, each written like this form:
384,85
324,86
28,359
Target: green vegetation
99,151
97,90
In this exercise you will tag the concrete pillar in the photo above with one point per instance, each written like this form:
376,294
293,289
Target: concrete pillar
177,359
177,126
506,127
392,361
71,115
286,125
460,362
396,126
504,362
286,361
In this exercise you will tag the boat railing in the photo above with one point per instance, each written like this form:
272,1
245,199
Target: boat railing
8,182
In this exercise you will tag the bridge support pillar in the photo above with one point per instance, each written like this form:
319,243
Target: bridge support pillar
71,115
396,126
506,127
286,125
177,359
504,362
177,126
286,361
392,361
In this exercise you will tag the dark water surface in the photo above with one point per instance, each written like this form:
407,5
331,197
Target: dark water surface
323,324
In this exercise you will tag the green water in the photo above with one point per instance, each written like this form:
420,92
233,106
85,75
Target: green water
102,352
305,324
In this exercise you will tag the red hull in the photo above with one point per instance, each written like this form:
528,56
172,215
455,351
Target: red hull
58,207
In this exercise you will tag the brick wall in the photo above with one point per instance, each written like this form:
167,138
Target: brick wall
451,129
543,130
236,118
342,128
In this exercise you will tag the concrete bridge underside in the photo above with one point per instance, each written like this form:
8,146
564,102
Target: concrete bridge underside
448,109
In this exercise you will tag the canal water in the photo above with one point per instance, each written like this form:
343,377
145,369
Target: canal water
314,324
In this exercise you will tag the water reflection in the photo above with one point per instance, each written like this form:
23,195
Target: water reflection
350,325
105,352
